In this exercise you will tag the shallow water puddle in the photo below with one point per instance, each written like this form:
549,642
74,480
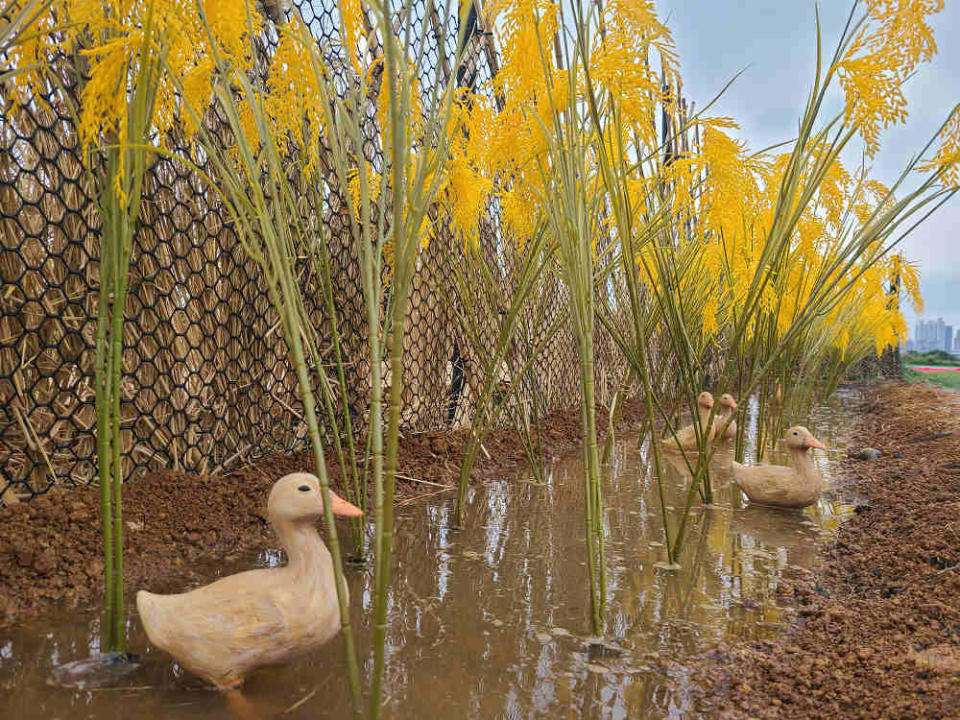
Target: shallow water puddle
491,621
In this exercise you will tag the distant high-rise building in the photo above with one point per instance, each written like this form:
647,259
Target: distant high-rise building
948,338
956,344
932,335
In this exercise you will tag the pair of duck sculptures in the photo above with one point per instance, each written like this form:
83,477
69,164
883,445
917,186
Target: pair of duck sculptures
789,487
224,631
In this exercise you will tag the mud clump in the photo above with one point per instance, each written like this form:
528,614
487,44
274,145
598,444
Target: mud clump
883,640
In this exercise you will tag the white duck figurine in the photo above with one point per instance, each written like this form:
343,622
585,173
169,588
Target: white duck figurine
226,630
727,408
686,438
791,487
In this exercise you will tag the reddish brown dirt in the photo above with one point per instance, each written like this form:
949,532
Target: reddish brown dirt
878,628
50,552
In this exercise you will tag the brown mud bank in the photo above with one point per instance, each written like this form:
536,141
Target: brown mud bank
877,631
50,554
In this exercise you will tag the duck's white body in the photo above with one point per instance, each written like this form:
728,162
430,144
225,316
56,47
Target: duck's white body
686,437
792,487
226,630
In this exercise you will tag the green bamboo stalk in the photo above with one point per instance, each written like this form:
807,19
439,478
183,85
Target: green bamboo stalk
102,373
572,213
292,322
255,189
410,202
119,222
116,343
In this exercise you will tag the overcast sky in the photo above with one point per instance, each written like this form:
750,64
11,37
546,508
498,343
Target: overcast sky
774,41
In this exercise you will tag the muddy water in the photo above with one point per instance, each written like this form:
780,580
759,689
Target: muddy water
491,621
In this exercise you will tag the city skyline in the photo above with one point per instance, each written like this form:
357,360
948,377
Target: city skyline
931,335
938,303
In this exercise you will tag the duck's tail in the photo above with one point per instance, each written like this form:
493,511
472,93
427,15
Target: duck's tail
148,608
145,602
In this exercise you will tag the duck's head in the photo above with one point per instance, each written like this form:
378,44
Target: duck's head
705,400
727,401
297,497
799,438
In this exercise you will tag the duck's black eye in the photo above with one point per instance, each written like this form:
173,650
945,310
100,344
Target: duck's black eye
306,488
795,432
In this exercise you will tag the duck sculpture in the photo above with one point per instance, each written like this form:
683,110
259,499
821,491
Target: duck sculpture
727,408
686,438
224,631
790,487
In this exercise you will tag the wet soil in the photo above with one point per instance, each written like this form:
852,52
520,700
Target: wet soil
874,630
877,631
50,554
492,619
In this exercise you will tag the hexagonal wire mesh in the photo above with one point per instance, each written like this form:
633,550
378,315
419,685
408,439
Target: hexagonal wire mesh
206,382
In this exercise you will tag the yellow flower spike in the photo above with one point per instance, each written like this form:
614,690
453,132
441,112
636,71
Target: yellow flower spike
888,48
519,213
197,89
833,193
229,21
352,20
768,298
785,316
947,157
248,125
119,178
373,181
294,97
103,100
467,191
710,312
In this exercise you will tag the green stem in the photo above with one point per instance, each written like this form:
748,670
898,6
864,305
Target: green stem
103,373
116,343
292,322
596,555
382,575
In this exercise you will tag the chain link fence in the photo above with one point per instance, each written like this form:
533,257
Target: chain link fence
206,381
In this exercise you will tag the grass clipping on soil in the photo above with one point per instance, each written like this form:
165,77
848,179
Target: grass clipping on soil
880,636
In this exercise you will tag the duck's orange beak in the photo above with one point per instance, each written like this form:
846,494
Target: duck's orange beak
342,508
812,442
733,404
